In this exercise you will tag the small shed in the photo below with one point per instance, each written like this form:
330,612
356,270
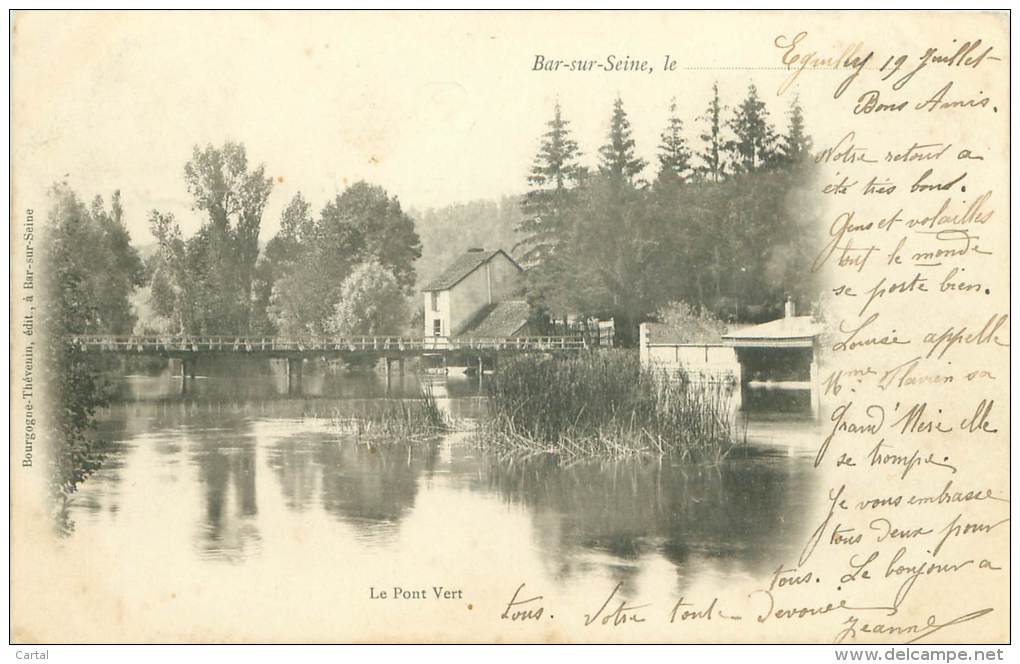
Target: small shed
662,349
781,354
778,357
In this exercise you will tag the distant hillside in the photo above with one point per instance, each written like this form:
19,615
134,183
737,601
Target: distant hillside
449,231
146,250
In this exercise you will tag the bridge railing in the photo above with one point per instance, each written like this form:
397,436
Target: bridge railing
248,344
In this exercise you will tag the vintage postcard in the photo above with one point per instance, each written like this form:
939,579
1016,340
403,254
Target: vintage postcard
510,327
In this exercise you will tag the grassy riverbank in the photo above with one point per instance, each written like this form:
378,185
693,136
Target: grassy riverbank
604,404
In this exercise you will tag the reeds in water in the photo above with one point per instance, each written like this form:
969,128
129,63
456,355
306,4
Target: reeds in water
604,404
396,420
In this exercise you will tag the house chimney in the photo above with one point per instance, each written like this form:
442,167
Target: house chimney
790,308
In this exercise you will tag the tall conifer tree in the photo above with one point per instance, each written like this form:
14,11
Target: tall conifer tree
554,172
755,144
617,155
674,156
713,155
796,144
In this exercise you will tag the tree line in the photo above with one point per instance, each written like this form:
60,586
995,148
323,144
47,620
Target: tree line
723,226
347,270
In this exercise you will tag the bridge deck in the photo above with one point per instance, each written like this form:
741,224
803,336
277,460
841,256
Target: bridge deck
284,346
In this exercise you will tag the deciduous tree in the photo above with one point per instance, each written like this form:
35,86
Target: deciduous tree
371,302
233,197
363,224
88,271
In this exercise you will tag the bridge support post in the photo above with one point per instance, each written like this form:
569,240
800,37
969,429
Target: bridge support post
738,387
815,390
386,363
187,373
294,366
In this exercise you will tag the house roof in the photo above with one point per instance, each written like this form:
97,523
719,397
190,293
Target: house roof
503,319
793,331
464,265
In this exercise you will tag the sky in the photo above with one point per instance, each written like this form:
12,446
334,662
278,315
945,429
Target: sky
437,109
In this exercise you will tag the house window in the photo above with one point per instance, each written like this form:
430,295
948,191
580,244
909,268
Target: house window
435,301
437,327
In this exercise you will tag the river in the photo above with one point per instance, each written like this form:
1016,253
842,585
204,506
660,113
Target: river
236,473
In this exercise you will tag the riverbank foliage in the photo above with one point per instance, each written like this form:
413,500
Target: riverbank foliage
88,270
605,404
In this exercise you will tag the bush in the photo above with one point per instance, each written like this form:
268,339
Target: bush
691,325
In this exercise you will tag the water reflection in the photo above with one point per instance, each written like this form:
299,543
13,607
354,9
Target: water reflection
739,514
228,476
367,487
226,470
267,380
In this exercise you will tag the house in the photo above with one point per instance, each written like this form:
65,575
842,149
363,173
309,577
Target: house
476,287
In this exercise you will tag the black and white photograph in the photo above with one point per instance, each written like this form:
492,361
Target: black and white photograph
510,327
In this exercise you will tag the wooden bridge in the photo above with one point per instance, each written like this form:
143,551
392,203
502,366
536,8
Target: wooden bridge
288,347
295,350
